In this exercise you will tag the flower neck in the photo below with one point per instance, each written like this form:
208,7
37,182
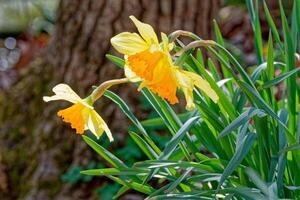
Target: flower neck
99,91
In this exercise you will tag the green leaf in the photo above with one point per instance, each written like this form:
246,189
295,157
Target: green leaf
207,177
260,69
220,40
223,100
213,69
282,143
175,141
292,104
115,98
116,172
272,26
292,147
151,154
294,25
180,196
270,58
179,180
159,123
280,78
171,120
146,189
242,119
170,147
121,191
238,157
235,65
153,164
116,60
254,16
258,100
261,184
109,157
248,193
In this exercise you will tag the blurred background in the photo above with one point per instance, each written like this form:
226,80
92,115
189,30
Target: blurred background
46,42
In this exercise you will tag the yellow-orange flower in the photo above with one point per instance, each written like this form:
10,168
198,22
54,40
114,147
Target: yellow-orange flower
150,62
81,115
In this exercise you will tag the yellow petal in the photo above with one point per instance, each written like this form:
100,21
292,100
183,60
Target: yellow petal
184,81
146,31
187,86
63,92
189,80
73,115
131,75
189,97
96,124
128,43
167,47
204,86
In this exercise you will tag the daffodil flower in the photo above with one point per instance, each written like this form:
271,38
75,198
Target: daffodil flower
81,115
150,62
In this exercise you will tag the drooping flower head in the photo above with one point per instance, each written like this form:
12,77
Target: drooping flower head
146,59
81,115
150,62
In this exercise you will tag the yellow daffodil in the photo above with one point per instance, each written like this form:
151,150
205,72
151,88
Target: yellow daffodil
81,115
150,62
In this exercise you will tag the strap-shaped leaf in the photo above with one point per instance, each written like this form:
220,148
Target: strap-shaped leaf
240,120
272,26
115,172
256,99
174,142
280,78
144,146
179,180
109,157
238,157
116,60
270,194
115,98
153,164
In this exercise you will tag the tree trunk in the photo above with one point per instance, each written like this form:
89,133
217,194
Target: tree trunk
36,147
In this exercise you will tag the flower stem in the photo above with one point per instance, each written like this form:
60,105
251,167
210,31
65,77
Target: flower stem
173,36
195,44
176,34
99,91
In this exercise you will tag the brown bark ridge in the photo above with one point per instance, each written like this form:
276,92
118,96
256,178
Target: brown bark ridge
36,147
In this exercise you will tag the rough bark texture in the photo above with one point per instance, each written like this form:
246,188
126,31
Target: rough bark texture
36,147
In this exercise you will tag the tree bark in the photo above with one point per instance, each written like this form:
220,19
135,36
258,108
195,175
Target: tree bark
36,147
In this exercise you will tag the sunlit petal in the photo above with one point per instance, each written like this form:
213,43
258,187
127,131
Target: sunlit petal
167,47
129,43
204,86
96,124
131,75
63,92
146,31
189,97
187,82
